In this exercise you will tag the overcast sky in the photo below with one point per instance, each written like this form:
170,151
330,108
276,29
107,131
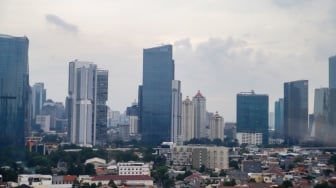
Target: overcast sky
220,47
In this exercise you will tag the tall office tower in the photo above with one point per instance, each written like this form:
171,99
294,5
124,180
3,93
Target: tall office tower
101,107
176,136
87,97
322,129
252,114
332,72
188,126
14,90
156,94
271,125
38,98
279,118
295,111
217,127
332,92
200,115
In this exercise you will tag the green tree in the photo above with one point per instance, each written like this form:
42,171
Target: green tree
232,182
202,168
287,184
222,173
90,169
112,184
322,185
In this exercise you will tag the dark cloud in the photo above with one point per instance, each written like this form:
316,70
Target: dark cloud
53,19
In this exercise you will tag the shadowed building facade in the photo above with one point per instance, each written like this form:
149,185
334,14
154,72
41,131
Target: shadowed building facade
295,111
155,94
14,90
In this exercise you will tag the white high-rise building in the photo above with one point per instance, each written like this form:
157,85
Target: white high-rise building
200,115
217,127
175,136
82,99
188,126
133,121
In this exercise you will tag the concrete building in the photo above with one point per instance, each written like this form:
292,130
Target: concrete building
211,157
250,138
199,115
133,168
44,122
188,126
176,129
217,127
87,97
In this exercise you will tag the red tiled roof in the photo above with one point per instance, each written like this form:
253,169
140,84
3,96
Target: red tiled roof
69,178
121,177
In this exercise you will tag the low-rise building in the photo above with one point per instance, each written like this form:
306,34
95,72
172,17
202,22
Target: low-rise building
133,168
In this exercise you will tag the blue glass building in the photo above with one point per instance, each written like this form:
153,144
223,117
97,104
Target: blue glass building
14,90
252,114
295,111
156,94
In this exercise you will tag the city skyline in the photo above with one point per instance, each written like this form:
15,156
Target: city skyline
215,51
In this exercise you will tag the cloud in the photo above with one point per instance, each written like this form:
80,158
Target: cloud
53,19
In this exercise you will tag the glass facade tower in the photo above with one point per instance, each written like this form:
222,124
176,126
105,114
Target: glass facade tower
252,114
156,94
295,111
14,90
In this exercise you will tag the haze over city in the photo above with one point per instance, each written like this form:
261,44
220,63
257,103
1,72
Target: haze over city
220,47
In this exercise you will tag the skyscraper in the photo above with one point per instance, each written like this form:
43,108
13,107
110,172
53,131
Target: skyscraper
295,111
176,136
101,107
200,115
252,114
87,97
14,90
279,118
332,72
188,126
217,127
332,92
38,98
156,94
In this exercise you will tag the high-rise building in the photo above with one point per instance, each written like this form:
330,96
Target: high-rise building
295,111
49,109
14,90
200,115
38,98
156,94
252,114
188,126
332,92
217,127
176,136
87,97
323,131
279,118
332,72
101,107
